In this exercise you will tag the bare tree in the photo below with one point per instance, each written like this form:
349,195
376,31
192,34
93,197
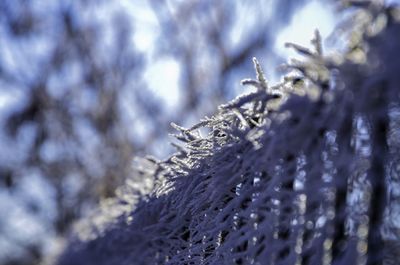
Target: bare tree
71,85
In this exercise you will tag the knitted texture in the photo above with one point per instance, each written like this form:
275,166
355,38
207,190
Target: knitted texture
304,172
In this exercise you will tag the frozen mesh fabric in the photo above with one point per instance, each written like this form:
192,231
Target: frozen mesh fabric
304,172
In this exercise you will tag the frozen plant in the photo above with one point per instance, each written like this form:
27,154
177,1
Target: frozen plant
303,172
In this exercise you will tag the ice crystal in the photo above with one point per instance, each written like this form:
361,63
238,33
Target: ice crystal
301,173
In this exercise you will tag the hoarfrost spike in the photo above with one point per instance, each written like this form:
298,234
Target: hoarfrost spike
260,74
300,49
152,159
317,42
177,127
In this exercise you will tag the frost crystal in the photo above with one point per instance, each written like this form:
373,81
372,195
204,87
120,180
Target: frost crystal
306,172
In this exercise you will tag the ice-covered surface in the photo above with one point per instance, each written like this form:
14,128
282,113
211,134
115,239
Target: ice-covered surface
304,172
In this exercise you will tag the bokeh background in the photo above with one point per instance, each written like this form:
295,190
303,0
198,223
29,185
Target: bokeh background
87,85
